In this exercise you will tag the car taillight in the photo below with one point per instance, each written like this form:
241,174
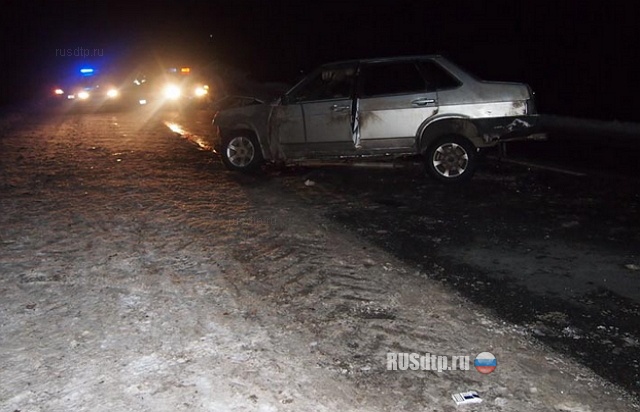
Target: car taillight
531,102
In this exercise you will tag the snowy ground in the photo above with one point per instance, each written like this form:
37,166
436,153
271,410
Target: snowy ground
136,274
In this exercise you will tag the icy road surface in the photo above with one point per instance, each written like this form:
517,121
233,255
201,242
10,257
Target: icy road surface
137,275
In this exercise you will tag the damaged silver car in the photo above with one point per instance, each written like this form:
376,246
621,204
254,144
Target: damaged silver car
377,109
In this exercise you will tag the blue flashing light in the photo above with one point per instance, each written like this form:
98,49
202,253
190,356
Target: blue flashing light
87,71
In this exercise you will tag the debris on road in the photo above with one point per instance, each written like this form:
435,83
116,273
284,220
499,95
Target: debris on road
465,398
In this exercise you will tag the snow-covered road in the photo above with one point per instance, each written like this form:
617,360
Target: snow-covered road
137,275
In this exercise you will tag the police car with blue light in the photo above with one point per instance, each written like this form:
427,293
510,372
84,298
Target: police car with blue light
90,88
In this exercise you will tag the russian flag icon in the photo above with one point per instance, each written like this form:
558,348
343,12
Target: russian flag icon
485,362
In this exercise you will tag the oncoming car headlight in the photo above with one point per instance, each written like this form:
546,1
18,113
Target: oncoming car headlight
83,95
201,91
172,92
112,93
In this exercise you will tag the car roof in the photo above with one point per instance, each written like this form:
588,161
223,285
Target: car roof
384,60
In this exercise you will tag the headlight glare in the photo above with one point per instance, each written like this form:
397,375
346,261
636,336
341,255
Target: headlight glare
201,91
172,92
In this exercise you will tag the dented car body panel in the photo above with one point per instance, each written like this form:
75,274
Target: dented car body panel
391,106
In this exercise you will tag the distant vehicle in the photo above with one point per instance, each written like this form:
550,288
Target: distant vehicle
90,89
380,109
174,87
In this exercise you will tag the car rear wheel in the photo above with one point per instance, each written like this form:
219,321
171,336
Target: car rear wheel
242,153
451,159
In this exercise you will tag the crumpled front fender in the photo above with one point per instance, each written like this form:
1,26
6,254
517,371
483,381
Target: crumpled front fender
254,119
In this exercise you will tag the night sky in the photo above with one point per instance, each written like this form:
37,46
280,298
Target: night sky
580,57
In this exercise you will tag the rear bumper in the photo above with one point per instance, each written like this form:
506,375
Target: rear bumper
505,129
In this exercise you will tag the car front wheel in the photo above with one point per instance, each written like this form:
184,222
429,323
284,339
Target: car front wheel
242,153
451,159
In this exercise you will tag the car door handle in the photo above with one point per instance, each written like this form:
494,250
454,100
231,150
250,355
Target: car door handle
423,102
338,108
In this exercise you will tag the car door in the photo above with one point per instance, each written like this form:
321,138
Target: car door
323,106
393,101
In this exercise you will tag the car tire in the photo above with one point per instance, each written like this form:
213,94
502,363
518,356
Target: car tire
241,152
451,159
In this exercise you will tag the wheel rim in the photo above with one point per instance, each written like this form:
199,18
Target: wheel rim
450,160
240,151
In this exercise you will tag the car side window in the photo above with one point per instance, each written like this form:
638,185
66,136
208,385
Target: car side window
380,79
327,84
437,78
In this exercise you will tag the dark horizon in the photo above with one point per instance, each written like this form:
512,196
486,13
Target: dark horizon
580,59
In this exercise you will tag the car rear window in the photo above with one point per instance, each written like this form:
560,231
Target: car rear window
437,78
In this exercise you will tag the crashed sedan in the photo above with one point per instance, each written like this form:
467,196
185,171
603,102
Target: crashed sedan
380,109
